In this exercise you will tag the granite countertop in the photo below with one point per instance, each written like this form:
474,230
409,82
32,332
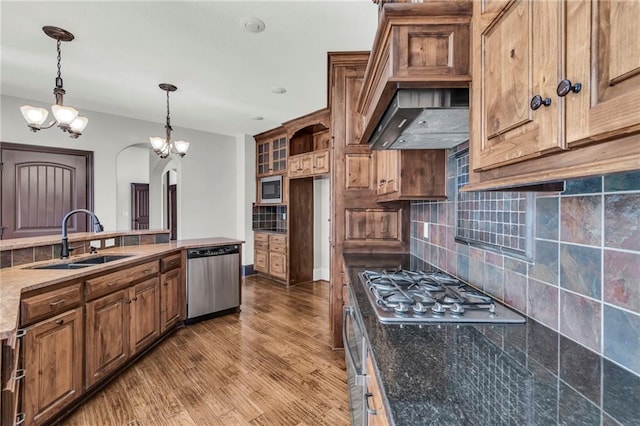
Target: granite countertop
483,374
17,280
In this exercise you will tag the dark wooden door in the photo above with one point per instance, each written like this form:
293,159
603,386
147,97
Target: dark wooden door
39,185
139,206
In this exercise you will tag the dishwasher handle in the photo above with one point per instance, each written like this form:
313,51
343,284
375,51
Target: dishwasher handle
213,251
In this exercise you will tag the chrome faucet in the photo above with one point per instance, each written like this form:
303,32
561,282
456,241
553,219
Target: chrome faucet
97,227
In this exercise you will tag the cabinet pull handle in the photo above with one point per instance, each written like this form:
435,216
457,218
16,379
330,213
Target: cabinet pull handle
20,418
537,102
135,298
146,271
127,301
57,302
20,333
19,374
565,86
59,321
370,410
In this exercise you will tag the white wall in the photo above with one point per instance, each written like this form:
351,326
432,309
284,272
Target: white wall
207,176
132,166
321,209
246,185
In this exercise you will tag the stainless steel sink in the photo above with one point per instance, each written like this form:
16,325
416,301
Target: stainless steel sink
85,262
61,266
101,259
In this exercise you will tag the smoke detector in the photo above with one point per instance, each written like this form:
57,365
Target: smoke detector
252,25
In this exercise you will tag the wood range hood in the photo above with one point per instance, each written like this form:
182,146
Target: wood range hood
415,93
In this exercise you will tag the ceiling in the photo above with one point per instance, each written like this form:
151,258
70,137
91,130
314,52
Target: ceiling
225,75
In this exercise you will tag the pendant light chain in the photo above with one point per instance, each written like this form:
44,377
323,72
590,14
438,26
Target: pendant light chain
59,59
168,118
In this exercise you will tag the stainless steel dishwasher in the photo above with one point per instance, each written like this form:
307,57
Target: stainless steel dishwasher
213,281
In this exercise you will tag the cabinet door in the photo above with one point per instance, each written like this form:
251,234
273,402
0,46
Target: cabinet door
144,314
294,166
519,58
376,413
603,55
321,162
261,261
263,158
278,265
53,365
306,164
107,335
171,298
279,156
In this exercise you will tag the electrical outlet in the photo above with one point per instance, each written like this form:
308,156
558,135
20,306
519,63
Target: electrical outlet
109,242
425,230
95,244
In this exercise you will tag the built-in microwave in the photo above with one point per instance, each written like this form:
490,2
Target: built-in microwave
270,190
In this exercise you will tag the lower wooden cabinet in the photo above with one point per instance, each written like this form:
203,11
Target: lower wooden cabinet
271,255
107,340
119,326
171,299
144,314
53,365
376,413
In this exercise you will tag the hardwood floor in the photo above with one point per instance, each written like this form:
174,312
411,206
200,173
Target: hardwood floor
271,364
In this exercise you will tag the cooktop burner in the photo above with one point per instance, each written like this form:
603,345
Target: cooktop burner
403,296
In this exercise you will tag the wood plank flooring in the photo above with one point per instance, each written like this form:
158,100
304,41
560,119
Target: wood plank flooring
271,364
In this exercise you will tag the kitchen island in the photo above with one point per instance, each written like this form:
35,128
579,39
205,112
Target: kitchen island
457,374
68,326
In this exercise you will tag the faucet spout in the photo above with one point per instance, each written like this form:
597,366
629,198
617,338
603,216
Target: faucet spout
97,227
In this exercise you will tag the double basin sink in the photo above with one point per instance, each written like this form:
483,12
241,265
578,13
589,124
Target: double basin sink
84,262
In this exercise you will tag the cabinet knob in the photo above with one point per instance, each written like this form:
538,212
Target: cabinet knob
537,102
565,86
59,321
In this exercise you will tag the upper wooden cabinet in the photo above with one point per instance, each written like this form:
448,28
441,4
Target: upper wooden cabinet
415,174
271,152
417,45
309,142
556,91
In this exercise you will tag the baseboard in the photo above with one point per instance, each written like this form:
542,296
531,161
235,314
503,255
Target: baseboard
321,274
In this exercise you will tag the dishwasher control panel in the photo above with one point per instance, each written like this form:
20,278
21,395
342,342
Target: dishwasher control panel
213,251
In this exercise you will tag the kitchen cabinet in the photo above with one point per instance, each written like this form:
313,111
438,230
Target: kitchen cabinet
172,292
309,164
11,380
418,174
52,356
271,152
271,255
120,323
358,221
557,93
376,412
52,365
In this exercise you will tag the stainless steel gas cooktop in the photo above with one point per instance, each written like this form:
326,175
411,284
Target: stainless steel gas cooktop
403,296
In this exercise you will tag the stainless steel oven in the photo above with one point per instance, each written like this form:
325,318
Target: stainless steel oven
355,350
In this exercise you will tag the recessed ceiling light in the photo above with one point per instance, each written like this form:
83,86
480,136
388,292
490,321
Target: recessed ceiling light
252,25
257,118
279,90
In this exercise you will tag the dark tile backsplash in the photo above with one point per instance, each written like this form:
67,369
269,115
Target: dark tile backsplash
270,218
582,280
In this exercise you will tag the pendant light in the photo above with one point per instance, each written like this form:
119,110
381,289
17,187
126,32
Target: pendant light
163,146
66,117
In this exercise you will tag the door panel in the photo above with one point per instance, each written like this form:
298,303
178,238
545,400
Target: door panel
39,186
139,206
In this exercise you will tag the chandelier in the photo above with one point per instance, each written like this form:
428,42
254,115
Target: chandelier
66,117
163,146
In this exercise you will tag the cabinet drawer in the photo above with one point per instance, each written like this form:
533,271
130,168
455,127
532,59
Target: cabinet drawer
278,239
49,304
259,245
262,237
106,284
170,262
278,248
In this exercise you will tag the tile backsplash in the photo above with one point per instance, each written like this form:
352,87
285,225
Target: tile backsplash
584,277
270,218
